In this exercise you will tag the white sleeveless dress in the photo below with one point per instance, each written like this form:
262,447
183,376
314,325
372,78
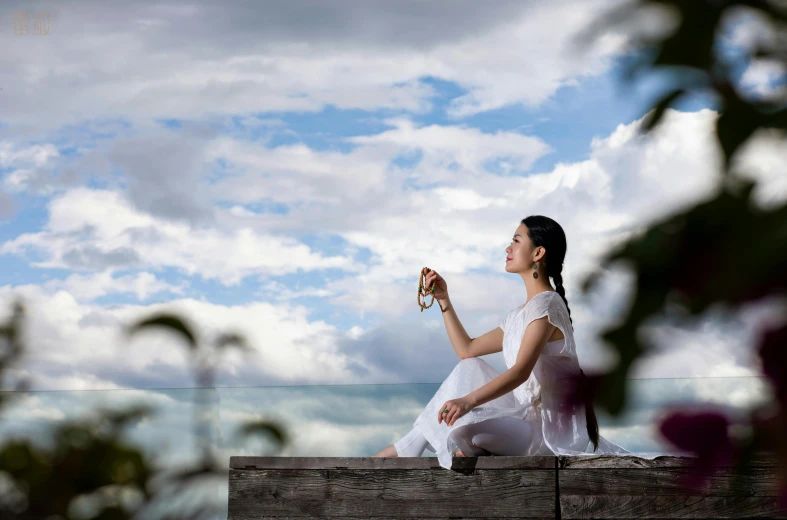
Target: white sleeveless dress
556,431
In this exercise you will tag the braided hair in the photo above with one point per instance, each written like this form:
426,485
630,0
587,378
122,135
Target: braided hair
545,232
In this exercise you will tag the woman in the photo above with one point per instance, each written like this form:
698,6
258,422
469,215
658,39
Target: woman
477,411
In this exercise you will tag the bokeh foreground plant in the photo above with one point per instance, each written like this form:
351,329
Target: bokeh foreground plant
88,470
725,251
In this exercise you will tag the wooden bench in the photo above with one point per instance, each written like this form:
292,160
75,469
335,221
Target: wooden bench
495,487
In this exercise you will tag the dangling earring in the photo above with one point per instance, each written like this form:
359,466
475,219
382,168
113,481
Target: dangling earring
535,266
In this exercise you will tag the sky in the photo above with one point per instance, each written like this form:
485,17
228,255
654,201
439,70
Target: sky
286,169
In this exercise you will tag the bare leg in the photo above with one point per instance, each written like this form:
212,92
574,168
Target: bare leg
390,451
412,444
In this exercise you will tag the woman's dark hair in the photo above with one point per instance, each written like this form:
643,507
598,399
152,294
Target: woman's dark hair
545,232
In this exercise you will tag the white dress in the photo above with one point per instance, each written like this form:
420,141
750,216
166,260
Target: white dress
556,430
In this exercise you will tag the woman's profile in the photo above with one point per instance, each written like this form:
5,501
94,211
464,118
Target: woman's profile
477,410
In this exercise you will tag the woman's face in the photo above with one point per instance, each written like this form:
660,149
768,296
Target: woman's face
519,250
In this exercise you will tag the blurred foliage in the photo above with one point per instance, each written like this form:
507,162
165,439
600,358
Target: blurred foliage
724,251
89,471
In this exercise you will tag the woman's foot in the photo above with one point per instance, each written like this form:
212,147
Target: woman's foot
390,451
459,453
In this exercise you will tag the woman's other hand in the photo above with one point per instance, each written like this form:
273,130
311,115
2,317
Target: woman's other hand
456,409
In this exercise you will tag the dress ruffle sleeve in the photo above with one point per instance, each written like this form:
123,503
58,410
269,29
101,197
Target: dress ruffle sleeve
555,310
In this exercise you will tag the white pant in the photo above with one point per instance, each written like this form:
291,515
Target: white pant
498,436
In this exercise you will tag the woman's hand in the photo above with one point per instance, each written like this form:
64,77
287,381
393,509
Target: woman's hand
456,409
440,286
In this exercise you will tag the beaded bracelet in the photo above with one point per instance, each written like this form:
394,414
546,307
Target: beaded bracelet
423,292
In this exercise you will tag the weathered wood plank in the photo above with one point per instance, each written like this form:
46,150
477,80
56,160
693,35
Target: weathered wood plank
759,460
254,516
464,508
496,462
410,484
401,493
666,482
628,487
480,488
668,507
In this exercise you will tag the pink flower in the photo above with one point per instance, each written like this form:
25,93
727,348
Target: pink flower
704,433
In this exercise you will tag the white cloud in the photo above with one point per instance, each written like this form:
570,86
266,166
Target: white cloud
626,181
96,229
300,56
92,286
455,147
763,78
75,345
762,158
27,165
745,31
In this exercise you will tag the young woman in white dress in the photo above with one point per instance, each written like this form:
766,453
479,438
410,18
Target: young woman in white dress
478,411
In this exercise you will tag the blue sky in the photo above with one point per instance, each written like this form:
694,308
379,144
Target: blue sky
285,173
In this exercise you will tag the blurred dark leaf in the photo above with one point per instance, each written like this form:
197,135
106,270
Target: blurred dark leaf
740,119
769,431
691,54
773,358
231,339
692,44
695,258
113,513
121,418
774,10
654,116
264,427
183,478
169,321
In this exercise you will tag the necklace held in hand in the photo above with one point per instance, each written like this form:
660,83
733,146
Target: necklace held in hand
423,292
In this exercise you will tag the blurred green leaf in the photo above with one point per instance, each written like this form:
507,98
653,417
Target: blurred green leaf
719,251
266,428
168,321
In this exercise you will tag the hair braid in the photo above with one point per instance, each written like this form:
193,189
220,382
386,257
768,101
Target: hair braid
562,291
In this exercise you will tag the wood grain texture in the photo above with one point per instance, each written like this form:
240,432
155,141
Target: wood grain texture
253,516
684,506
496,462
407,487
767,460
498,487
628,487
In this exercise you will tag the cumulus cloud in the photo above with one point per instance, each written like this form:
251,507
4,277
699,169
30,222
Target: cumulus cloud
592,199
96,229
29,168
199,60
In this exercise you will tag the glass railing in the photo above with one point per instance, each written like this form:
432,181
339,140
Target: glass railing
336,421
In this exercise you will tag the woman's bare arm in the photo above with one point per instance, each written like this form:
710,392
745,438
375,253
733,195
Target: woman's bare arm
459,338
